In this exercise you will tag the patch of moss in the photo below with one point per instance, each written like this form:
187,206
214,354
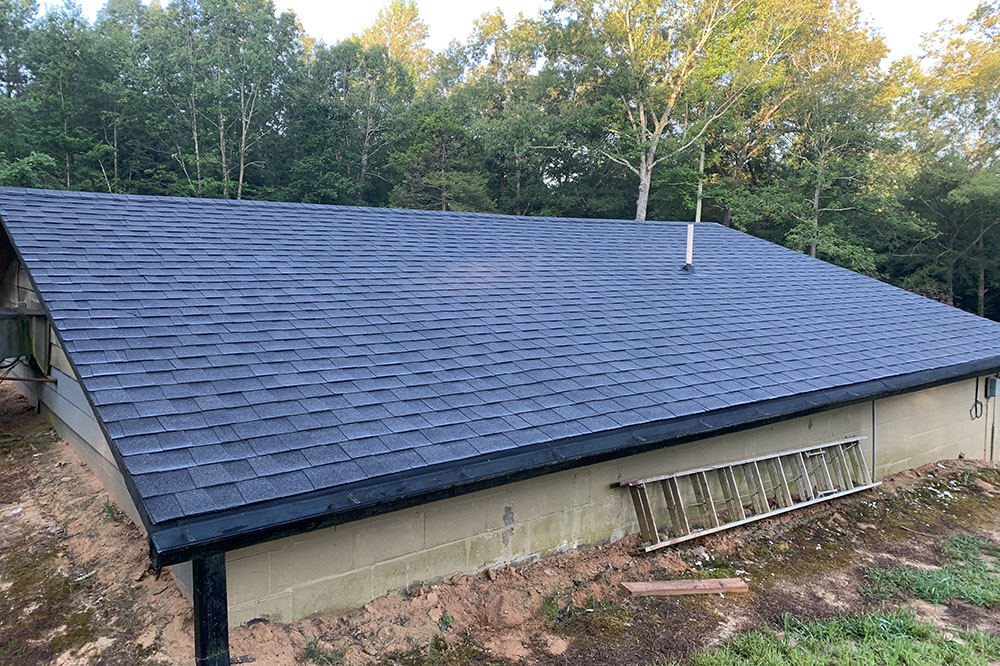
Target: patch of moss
550,610
79,631
47,604
605,621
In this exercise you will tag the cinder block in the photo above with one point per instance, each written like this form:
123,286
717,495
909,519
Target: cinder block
276,607
551,494
330,554
248,578
486,550
333,595
450,520
437,563
422,567
548,534
386,537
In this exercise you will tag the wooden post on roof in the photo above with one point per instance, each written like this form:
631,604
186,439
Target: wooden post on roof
211,611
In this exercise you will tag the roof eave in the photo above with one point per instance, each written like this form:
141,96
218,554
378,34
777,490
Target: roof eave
181,540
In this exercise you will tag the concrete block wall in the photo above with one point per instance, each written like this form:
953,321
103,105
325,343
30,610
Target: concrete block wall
921,427
344,567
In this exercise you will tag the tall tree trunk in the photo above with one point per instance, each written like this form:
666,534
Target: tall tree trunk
62,105
194,137
366,143
444,160
815,222
647,160
949,281
243,159
817,189
701,183
727,217
115,134
645,178
981,266
222,153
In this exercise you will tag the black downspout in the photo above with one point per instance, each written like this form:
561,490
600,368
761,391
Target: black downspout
211,611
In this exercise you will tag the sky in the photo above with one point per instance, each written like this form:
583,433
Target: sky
901,22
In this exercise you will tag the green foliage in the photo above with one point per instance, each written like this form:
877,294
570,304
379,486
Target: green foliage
446,621
31,171
550,610
440,652
968,576
109,511
442,167
868,639
595,108
315,654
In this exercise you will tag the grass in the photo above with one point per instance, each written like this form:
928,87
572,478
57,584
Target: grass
869,639
967,576
319,655
109,511
463,651
551,611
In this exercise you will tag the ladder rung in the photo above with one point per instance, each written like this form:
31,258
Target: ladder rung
818,473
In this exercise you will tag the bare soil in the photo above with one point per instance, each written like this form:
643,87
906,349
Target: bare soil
75,587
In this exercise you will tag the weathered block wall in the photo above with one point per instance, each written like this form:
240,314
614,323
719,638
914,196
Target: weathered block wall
925,426
346,566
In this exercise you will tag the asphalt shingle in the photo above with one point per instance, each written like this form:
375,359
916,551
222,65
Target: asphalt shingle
244,351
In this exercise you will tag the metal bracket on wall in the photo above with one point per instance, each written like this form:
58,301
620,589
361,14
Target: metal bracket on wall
705,500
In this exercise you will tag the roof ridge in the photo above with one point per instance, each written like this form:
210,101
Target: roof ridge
172,199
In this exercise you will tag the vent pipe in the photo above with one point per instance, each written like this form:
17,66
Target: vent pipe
689,257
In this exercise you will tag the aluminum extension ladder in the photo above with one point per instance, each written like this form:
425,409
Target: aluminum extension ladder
701,501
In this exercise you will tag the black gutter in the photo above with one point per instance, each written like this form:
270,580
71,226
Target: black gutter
181,540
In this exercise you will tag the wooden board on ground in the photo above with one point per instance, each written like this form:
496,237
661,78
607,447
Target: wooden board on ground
664,588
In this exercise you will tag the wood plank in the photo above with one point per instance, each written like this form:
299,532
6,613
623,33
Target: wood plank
665,588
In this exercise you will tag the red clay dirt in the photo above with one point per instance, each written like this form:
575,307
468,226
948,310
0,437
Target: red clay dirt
566,609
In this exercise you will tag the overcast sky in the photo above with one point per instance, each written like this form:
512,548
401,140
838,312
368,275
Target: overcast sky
902,22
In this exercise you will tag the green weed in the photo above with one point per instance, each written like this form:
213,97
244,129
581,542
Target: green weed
446,621
869,639
109,511
318,655
966,577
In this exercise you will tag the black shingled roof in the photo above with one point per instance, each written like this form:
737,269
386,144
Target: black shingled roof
244,354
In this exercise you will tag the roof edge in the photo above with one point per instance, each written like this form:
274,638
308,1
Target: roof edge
127,480
180,540
164,198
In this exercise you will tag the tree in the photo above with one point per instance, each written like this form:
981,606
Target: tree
674,68
15,29
403,34
839,115
954,114
508,111
17,19
338,124
69,68
442,167
251,51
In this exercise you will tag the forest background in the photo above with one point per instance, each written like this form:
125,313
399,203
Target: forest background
782,118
